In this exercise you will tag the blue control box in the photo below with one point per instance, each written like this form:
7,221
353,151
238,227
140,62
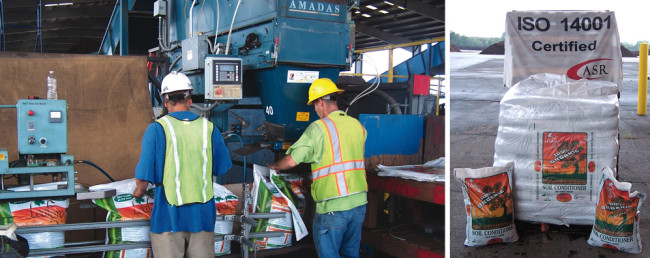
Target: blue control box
42,126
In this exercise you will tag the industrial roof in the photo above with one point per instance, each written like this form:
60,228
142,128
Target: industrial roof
80,26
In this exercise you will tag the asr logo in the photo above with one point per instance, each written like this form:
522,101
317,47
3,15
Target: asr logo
590,70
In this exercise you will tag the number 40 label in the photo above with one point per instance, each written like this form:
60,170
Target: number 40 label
269,110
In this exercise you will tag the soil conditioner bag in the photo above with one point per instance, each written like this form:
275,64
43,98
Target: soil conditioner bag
617,216
488,202
560,136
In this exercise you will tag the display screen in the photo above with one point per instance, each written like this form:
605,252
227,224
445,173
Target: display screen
226,72
55,114
227,68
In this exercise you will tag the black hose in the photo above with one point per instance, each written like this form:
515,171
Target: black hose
171,67
157,85
97,167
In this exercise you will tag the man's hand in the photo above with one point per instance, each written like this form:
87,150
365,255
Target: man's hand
140,188
283,164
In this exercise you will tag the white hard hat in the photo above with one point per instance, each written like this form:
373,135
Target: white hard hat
175,81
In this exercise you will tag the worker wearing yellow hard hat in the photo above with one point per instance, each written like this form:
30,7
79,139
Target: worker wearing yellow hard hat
334,146
322,87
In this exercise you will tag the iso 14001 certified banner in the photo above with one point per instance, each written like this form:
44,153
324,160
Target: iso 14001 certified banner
577,44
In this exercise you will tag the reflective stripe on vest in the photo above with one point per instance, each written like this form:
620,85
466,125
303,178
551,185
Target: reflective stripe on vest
334,163
205,158
180,189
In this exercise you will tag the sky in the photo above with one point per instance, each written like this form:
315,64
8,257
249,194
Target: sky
480,18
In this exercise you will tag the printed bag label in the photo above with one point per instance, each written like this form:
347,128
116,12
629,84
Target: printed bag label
491,202
565,159
39,212
563,173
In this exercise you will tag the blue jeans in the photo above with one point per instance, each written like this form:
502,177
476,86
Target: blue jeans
338,234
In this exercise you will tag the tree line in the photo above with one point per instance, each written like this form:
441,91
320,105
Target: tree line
480,43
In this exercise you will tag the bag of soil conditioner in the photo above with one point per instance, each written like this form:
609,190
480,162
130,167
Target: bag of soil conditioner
488,202
125,207
226,204
271,194
40,212
560,135
617,216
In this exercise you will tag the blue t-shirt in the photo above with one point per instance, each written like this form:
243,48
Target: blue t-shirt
186,218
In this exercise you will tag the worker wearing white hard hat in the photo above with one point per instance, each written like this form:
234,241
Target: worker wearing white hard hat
180,153
334,146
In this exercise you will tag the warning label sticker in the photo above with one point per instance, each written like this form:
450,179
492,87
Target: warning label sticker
294,76
302,116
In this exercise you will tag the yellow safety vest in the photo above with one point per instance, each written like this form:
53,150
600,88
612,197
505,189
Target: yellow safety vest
341,170
187,173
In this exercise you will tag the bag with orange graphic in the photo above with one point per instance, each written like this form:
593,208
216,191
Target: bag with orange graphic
125,207
488,202
41,212
226,204
271,194
617,216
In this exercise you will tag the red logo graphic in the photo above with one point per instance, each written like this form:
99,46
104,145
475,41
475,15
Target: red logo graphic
585,71
563,197
591,166
495,241
608,246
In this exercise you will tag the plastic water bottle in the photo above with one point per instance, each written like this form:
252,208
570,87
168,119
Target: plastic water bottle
51,85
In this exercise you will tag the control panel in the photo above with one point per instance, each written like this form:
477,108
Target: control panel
42,126
223,78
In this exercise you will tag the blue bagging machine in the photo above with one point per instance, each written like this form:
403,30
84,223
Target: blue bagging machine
42,146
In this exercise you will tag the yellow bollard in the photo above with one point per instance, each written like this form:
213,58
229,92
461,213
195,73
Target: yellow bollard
642,106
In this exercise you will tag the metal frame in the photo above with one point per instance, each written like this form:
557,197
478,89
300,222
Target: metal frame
2,27
39,24
68,191
247,220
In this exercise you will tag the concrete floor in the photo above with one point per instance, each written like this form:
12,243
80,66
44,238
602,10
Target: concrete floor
476,89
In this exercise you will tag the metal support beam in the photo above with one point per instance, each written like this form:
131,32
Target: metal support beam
88,249
270,215
380,34
124,28
2,27
410,44
39,24
422,8
390,66
80,226
265,234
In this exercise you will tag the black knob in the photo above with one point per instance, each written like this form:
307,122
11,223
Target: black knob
43,141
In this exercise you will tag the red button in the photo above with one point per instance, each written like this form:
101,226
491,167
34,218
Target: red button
30,113
219,91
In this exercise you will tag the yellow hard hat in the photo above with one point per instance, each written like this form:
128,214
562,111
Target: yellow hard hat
322,87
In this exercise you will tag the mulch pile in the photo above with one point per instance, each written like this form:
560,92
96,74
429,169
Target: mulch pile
495,49
499,49
627,53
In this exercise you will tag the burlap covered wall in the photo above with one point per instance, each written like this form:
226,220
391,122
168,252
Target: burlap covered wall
108,107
